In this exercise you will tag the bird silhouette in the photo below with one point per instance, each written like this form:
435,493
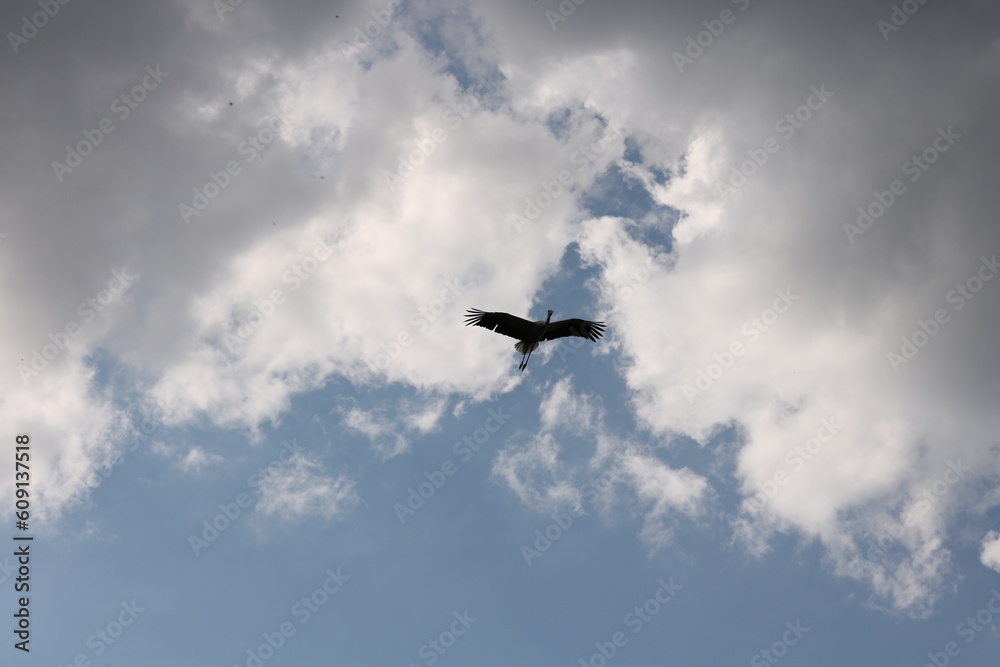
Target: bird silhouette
529,334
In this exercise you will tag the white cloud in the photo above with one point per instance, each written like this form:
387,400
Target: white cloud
812,318
990,554
541,477
664,493
424,419
562,408
404,259
197,459
409,255
76,435
535,474
385,441
300,488
390,428
377,304
193,461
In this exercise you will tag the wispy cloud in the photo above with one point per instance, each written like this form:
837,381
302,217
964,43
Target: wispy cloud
301,488
620,473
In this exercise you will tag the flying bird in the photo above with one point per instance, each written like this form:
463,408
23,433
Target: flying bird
529,334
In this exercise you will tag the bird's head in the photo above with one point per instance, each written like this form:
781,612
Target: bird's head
550,313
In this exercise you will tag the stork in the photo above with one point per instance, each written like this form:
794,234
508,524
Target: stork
529,334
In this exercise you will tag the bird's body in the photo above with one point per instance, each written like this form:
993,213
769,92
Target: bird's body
530,334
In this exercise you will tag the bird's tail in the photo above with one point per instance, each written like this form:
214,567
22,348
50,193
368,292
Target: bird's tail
522,347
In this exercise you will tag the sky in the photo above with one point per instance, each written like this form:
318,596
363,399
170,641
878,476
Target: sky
237,241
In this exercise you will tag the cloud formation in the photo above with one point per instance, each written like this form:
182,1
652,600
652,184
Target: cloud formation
300,488
815,262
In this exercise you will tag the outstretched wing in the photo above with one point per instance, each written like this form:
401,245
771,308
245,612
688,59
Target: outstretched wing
502,323
574,327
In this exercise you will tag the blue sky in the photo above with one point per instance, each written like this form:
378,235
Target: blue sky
237,243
